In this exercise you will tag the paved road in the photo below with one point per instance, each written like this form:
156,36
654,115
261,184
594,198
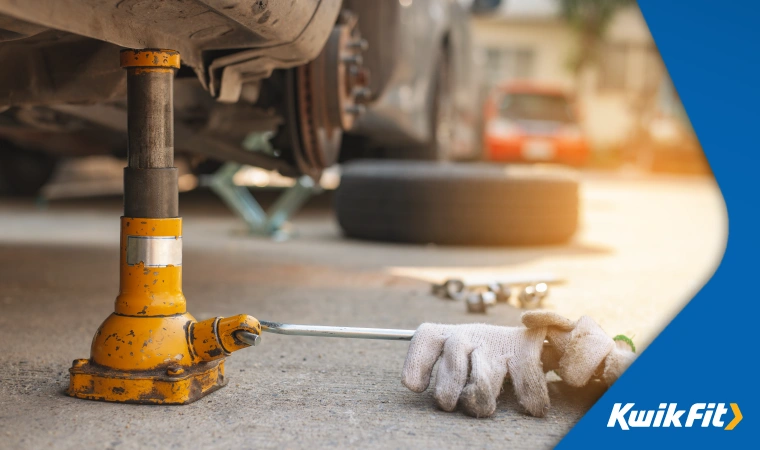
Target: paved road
646,245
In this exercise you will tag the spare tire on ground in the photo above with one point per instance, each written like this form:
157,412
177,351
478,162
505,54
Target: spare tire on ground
457,204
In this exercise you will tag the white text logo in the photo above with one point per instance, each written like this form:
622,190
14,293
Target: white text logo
669,415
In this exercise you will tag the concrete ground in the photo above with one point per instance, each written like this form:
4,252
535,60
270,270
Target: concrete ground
645,246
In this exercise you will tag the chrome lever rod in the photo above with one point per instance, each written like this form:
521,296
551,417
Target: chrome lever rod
343,332
325,331
289,329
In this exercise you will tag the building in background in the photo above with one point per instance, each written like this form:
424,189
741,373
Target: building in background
616,95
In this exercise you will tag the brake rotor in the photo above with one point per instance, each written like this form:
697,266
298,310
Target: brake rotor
328,94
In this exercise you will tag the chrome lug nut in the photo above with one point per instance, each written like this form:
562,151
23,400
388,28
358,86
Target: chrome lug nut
356,110
503,292
479,302
533,295
359,44
355,60
451,289
362,94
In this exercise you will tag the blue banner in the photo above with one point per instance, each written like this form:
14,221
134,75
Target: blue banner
695,385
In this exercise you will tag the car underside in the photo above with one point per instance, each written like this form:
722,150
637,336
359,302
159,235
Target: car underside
298,71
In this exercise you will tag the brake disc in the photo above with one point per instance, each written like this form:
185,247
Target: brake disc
326,97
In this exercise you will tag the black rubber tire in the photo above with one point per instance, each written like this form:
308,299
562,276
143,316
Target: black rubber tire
23,172
457,204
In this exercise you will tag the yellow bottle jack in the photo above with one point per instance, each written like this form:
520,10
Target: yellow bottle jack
151,350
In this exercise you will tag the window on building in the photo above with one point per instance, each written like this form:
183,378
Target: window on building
635,68
503,64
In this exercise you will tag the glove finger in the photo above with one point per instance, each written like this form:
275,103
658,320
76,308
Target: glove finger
617,361
588,347
452,373
538,319
528,376
558,338
478,398
424,351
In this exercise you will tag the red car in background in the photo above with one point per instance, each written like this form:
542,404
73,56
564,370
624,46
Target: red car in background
527,122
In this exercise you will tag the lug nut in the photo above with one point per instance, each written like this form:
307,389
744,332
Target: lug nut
454,288
361,75
479,302
362,94
355,60
451,289
360,44
356,110
532,296
502,291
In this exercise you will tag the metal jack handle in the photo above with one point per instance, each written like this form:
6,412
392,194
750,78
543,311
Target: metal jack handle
386,334
325,331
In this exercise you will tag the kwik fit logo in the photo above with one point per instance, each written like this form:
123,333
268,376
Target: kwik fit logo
669,415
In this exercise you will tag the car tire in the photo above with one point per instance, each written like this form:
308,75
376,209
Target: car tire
457,204
23,172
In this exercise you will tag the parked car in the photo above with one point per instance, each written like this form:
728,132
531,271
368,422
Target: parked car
531,122
394,74
322,81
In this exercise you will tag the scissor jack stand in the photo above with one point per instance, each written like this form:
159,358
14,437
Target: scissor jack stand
151,350
272,222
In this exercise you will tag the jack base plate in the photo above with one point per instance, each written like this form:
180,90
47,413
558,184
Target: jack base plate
156,387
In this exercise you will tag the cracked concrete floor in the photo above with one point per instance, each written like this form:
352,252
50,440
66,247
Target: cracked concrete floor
646,245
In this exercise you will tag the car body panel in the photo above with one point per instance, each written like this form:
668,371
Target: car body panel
401,116
253,37
60,71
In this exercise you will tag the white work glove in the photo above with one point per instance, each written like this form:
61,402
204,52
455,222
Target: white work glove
475,359
580,350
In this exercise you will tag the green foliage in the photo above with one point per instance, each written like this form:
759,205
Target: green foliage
591,16
626,339
590,19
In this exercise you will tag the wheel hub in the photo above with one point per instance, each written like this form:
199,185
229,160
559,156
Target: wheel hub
329,93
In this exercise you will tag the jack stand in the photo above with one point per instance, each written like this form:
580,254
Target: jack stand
239,199
151,350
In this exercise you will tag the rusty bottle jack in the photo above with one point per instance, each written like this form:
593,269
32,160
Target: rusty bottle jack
150,349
